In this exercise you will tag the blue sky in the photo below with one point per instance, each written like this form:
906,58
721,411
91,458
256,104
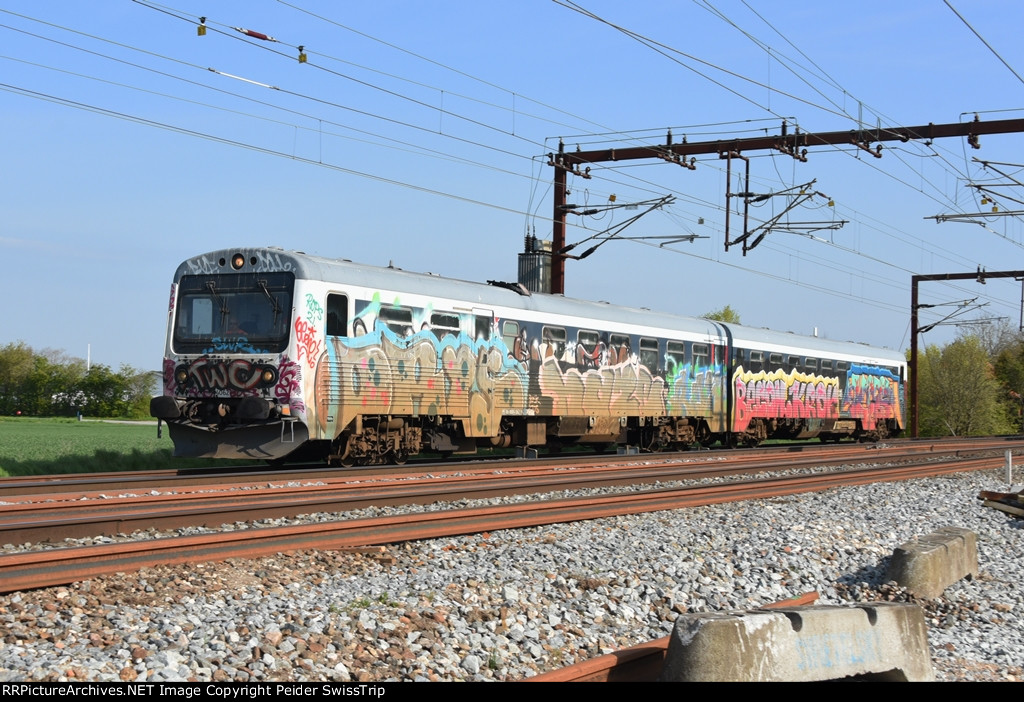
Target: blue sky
416,134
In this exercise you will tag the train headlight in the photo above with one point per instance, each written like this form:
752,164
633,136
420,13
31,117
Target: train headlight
181,375
237,261
268,376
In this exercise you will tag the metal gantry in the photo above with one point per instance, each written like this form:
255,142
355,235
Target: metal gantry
795,145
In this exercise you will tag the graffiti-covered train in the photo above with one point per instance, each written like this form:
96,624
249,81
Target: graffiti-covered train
275,354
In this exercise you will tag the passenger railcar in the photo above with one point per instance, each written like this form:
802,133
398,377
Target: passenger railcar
273,354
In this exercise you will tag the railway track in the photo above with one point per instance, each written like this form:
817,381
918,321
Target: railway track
158,479
160,501
41,568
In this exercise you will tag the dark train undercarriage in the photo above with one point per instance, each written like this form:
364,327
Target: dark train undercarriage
384,439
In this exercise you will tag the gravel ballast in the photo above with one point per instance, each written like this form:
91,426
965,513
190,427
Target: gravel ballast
510,604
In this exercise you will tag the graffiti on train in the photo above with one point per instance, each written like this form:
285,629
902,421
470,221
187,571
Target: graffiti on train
259,260
623,389
208,377
382,372
288,390
872,394
401,360
307,337
694,389
306,341
231,344
791,395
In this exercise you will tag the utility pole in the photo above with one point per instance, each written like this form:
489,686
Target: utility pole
795,145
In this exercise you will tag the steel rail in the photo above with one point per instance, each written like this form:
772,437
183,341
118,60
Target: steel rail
137,480
100,514
33,569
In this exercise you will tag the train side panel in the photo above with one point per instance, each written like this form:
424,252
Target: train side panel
789,388
452,373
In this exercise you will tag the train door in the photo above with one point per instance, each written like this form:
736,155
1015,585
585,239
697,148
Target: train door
329,410
721,364
337,314
483,412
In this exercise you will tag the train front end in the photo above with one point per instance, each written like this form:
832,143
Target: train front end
232,386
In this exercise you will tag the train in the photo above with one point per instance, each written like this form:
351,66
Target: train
279,355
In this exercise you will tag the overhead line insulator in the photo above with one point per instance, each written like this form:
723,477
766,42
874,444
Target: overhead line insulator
254,34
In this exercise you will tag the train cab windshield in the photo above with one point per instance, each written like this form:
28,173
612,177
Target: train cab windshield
233,313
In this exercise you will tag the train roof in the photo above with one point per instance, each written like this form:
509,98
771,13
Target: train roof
310,267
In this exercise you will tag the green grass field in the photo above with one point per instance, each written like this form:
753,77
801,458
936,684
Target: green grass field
30,446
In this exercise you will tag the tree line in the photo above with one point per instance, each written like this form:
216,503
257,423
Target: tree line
52,384
973,386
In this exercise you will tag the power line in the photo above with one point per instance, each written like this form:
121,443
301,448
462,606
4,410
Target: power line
982,39
252,147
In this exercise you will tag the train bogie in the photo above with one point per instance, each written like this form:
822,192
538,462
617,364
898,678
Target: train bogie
271,354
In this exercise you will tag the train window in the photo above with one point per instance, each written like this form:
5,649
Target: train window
700,354
553,341
826,365
649,354
509,333
397,319
811,364
618,348
588,340
444,323
337,315
754,360
515,340
675,356
201,318
842,365
775,359
234,311
483,328
587,354
793,361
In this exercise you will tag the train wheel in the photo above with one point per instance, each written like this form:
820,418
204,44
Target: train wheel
400,457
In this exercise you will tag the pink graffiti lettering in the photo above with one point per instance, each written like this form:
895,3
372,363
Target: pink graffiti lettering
306,343
169,384
289,388
871,398
784,396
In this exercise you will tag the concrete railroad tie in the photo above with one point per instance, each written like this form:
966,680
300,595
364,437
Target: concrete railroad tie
929,564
